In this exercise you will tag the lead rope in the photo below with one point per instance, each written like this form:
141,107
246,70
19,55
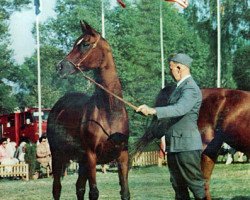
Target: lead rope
106,90
93,81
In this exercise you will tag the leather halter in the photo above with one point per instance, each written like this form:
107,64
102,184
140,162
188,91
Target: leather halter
77,65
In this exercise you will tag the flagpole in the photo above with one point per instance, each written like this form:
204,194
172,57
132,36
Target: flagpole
218,46
162,49
103,20
38,78
161,155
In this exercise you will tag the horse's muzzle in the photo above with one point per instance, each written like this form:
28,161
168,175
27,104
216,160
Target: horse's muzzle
65,68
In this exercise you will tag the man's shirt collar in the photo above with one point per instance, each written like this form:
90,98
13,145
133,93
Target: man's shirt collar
183,79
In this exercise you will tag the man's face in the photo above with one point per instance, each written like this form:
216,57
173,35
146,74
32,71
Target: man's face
175,70
44,141
4,144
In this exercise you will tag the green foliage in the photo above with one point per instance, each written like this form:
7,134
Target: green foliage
30,158
7,103
235,28
241,71
7,67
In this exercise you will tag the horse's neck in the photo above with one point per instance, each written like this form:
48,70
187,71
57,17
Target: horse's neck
107,77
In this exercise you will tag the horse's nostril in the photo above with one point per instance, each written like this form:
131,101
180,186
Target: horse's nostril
59,67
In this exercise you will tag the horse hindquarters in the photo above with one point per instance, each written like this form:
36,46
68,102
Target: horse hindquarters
123,167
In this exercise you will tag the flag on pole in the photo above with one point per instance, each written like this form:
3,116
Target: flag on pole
37,6
121,3
182,3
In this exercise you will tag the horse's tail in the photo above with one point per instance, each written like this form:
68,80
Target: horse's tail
148,137
59,164
56,138
138,147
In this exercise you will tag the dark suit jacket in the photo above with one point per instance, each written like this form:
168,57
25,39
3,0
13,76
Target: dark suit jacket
183,107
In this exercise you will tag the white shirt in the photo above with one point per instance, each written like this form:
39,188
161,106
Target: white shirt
183,79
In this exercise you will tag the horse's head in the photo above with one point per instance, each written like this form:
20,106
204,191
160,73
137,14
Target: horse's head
87,52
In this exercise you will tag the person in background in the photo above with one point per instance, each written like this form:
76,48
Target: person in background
20,152
230,154
11,147
183,140
104,168
5,157
43,153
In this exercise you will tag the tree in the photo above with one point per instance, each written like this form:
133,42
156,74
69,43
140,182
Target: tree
50,90
234,31
241,72
7,67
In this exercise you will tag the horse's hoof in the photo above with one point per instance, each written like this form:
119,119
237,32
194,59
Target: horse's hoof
94,193
127,197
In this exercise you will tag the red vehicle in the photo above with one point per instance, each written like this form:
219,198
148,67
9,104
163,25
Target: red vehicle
23,124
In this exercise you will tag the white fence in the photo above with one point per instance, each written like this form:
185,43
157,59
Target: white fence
21,169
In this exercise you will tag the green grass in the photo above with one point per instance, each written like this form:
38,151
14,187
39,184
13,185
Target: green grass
229,182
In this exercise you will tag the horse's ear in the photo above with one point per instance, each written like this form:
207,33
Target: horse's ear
86,28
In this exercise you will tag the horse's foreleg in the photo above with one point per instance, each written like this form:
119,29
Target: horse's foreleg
91,167
209,157
207,166
123,167
81,181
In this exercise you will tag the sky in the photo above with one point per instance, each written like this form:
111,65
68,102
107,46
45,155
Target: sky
21,23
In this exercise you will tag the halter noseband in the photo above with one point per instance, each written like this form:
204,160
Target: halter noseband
77,65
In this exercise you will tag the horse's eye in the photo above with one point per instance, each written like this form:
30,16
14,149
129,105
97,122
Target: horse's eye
85,44
83,47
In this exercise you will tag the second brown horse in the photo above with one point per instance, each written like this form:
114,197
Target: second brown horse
224,117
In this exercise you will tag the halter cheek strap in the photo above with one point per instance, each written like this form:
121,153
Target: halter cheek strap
77,65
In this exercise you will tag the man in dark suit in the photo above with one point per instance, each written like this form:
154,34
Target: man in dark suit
183,140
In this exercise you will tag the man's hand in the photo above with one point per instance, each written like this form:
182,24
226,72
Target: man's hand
146,110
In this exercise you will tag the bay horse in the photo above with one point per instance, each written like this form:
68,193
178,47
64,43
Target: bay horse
224,117
89,129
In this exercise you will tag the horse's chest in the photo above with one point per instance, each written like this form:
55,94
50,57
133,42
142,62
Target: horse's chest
103,122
